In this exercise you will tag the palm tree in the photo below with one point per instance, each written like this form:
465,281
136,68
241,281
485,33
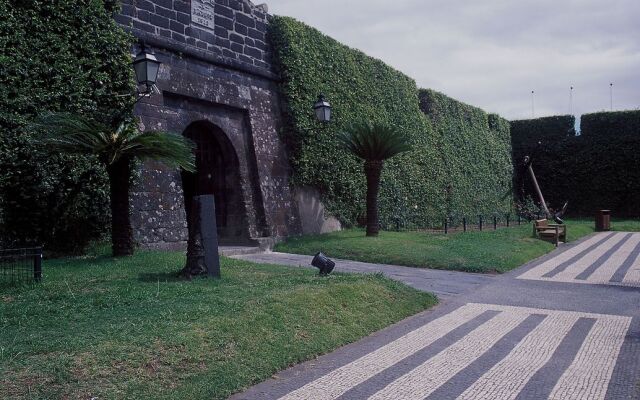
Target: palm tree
116,149
374,143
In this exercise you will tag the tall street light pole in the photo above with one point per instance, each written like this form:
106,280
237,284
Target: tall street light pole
571,101
533,106
611,95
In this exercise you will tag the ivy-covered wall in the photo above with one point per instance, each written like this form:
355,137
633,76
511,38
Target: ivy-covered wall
598,169
56,55
417,187
476,148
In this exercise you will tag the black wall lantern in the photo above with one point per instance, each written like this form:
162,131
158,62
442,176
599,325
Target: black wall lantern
146,66
322,109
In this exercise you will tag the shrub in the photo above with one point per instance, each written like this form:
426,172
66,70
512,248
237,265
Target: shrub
56,55
612,125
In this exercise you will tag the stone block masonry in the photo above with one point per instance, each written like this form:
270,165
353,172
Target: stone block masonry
217,84
234,31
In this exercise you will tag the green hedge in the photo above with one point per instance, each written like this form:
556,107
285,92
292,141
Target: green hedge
598,169
540,132
543,139
476,148
415,185
56,55
611,124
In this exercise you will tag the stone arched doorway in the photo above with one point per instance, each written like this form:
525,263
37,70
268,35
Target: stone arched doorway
218,173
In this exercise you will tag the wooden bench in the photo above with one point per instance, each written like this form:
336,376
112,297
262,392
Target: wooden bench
544,230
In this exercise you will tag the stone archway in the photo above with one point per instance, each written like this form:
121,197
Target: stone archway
218,173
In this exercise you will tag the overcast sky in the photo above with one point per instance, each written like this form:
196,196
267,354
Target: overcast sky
493,53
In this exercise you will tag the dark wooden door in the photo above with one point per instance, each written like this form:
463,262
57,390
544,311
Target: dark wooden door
210,177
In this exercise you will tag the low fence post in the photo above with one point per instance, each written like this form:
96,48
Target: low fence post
495,223
446,226
508,219
37,265
464,224
480,224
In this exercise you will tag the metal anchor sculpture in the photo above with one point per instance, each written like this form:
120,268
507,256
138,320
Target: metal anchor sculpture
557,216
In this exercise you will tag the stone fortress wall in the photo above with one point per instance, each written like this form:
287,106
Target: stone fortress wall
216,81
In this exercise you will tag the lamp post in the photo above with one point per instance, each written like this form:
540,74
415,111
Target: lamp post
533,104
611,95
146,66
322,109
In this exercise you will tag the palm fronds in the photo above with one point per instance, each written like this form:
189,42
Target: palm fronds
374,141
172,150
72,133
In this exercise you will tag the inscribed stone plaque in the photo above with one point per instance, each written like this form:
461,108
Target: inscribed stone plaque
202,13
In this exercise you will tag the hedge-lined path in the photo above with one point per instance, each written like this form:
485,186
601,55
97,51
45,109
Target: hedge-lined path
502,338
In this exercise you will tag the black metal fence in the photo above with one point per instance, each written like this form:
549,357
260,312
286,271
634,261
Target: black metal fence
20,265
453,224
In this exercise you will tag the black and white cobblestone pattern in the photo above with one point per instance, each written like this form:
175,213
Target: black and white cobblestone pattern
606,258
508,338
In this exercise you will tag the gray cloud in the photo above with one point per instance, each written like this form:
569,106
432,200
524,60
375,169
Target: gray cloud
492,53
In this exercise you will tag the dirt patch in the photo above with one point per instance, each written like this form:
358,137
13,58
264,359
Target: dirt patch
7,299
155,364
21,385
302,334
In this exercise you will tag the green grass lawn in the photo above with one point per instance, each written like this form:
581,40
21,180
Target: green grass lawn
486,252
127,329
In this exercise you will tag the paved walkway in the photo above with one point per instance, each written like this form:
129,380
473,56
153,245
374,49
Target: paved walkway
566,326
443,283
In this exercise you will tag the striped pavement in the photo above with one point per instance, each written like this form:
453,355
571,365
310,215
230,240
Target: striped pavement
540,341
606,259
564,327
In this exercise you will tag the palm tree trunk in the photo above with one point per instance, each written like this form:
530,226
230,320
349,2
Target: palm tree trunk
195,265
120,184
373,170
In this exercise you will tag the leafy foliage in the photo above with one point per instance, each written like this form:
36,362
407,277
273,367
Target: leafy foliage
116,149
476,148
611,125
57,55
72,133
529,209
542,131
414,184
542,139
373,141
598,169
